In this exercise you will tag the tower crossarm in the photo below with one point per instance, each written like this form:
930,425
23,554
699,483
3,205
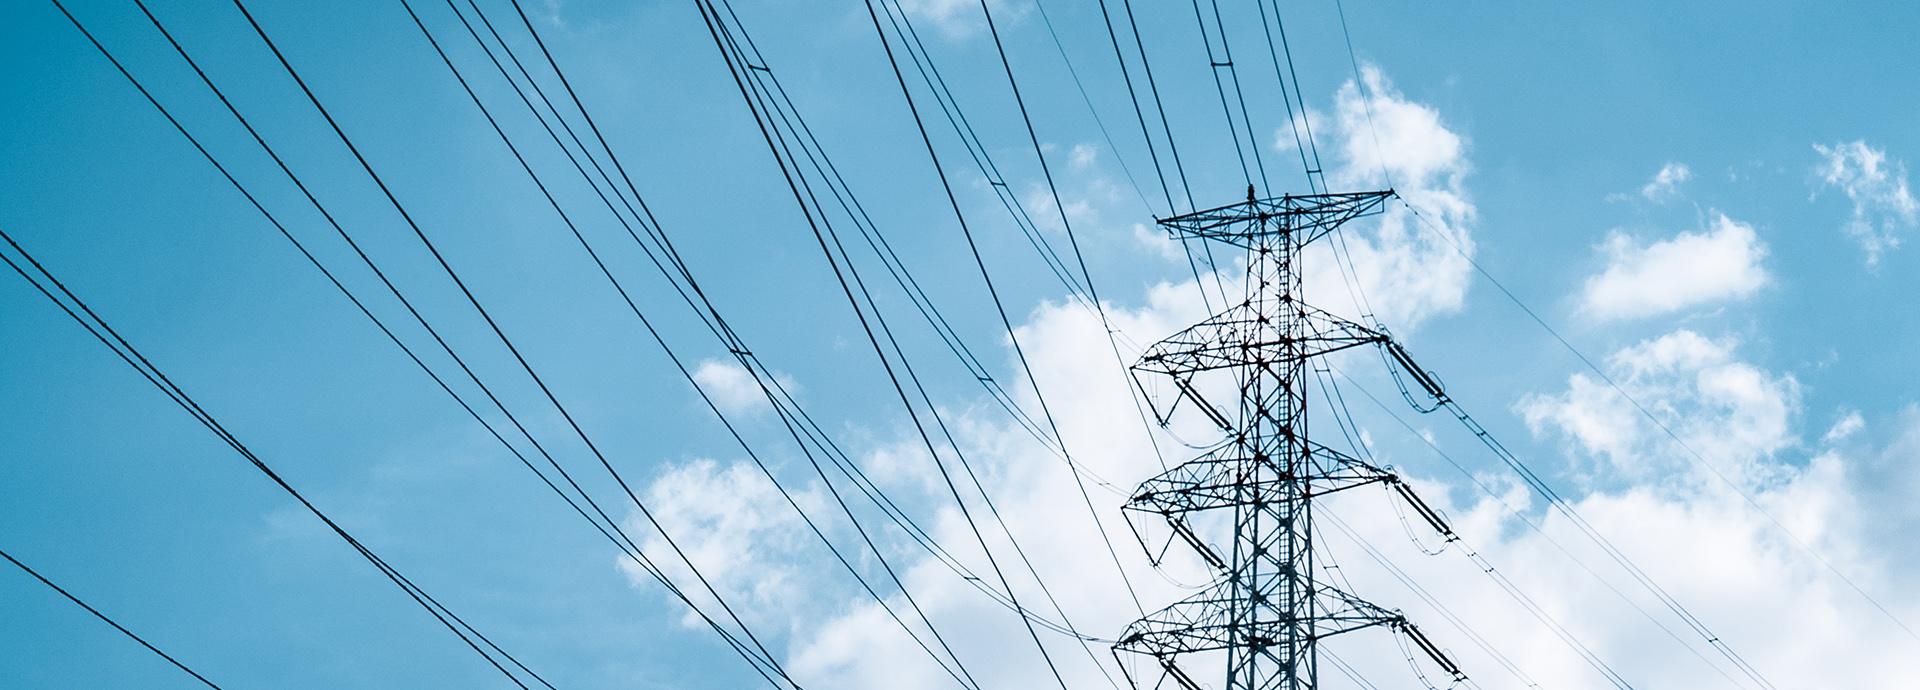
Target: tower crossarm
1220,478
1241,336
1237,338
1204,622
1248,223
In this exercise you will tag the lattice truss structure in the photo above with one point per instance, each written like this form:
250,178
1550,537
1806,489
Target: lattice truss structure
1266,613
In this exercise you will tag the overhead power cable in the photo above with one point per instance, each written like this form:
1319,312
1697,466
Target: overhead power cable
104,618
1153,152
610,528
1600,541
1093,295
473,300
1215,63
959,674
1533,480
790,125
1344,417
1086,98
1746,495
784,400
69,303
1539,529
715,28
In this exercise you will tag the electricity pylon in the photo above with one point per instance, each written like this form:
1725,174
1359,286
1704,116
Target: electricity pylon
1267,612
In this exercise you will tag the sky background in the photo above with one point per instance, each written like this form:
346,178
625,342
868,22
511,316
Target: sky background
1709,200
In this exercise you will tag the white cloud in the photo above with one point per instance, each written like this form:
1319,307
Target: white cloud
1408,268
1038,201
1883,206
1732,412
1666,183
737,529
1849,424
1687,270
1158,242
1081,158
732,388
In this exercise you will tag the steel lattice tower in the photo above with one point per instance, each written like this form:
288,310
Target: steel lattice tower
1266,612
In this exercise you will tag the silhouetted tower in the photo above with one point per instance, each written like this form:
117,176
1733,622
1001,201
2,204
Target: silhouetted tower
1267,612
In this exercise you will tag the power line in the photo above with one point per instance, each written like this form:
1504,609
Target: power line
105,333
1534,526
103,617
1443,400
1087,99
1619,558
1344,417
1214,66
1752,502
1093,295
785,401
747,360
788,117
960,675
473,300
622,541
715,28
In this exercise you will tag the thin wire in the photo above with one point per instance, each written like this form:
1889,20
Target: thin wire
623,542
1166,126
1306,120
758,73
108,620
1752,502
710,15
1106,325
1085,296
1213,68
106,334
1101,124
678,363
473,300
710,314
1536,527
1146,135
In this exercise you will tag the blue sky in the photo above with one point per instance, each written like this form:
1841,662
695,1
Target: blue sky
1679,189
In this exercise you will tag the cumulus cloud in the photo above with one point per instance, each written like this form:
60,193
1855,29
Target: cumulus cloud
1731,411
1883,206
1666,183
1688,270
1409,268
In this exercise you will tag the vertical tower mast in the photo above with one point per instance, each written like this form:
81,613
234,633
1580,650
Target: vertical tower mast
1266,613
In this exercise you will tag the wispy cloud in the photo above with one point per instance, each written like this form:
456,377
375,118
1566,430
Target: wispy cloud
1883,205
1666,183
